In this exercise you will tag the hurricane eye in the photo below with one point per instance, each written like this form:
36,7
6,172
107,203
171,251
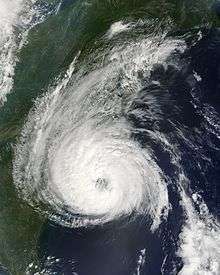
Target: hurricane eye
103,184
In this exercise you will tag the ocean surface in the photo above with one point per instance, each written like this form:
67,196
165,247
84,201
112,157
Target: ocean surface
109,137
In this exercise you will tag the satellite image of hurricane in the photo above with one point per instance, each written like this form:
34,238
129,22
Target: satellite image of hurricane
109,137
